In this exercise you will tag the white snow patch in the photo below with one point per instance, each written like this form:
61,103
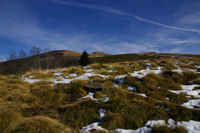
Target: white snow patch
31,80
139,130
191,126
115,84
66,79
177,70
154,123
110,71
142,73
197,66
188,90
167,98
91,96
73,75
102,113
142,94
58,73
131,88
95,125
120,78
192,104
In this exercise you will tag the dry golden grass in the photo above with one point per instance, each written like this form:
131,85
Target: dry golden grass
38,124
48,107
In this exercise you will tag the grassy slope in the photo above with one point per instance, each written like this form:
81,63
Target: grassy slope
28,108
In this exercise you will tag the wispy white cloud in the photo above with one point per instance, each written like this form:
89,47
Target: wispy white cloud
191,19
122,13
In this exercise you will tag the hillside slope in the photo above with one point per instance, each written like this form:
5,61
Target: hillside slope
149,95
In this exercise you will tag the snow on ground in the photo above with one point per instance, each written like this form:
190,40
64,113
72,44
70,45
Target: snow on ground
65,79
154,123
177,70
142,73
95,125
188,90
192,104
142,94
138,74
31,80
120,78
191,126
131,88
91,96
139,130
197,66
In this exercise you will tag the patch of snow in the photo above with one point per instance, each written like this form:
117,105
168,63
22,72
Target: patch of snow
102,113
192,104
188,90
58,74
154,123
120,78
31,80
95,125
139,130
191,126
66,80
110,71
116,85
197,66
189,87
87,70
131,88
142,73
171,123
167,98
142,94
148,64
73,75
177,70
91,96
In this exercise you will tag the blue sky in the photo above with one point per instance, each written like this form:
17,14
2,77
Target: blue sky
111,26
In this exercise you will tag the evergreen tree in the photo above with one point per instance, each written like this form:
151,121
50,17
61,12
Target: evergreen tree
84,60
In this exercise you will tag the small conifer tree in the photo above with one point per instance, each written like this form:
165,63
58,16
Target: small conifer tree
84,59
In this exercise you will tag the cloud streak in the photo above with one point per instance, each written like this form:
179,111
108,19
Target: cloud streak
122,13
